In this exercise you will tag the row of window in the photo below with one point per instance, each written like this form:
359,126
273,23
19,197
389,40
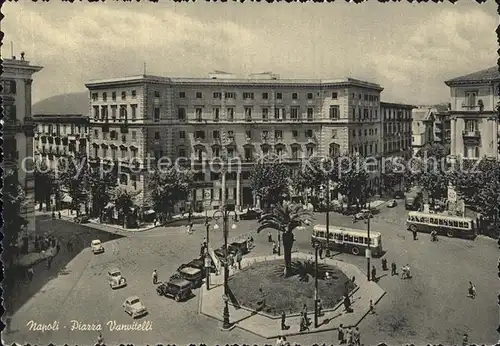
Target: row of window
367,132
397,146
396,127
95,96
365,97
363,114
113,135
440,221
251,95
365,149
391,114
278,114
216,134
121,114
61,129
345,237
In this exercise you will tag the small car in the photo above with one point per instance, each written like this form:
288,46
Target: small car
198,263
392,203
82,219
251,214
179,289
115,278
96,246
363,214
193,275
133,306
239,246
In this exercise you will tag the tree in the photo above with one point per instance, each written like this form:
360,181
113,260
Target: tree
392,174
124,204
315,173
353,180
168,186
429,171
285,218
13,222
102,184
435,150
479,185
45,183
270,181
74,176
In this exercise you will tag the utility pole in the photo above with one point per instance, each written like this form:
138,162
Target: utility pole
316,293
327,252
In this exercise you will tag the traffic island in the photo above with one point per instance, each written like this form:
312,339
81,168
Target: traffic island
259,294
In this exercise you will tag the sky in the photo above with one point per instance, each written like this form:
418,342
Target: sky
409,49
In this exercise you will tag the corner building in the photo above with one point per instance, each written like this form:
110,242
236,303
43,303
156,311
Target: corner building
18,128
473,114
221,118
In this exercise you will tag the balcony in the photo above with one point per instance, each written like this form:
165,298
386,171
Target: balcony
471,134
217,141
312,140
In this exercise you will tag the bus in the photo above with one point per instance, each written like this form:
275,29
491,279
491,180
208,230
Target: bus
451,226
344,239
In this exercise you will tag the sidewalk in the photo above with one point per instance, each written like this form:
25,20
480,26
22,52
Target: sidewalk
212,303
66,215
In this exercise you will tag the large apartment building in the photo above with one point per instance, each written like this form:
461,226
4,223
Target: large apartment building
59,135
16,82
223,118
396,129
474,119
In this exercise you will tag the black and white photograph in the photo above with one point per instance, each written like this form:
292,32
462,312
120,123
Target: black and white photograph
250,173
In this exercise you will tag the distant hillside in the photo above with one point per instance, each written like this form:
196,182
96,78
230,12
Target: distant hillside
72,103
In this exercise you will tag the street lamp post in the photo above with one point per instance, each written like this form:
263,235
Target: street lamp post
316,293
207,255
368,250
327,217
224,215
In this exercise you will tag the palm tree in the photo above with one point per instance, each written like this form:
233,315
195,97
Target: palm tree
285,218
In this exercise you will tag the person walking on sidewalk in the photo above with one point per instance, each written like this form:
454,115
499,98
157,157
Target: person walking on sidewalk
30,274
393,269
472,290
356,337
238,259
374,274
283,321
155,277
341,334
269,237
414,234
349,337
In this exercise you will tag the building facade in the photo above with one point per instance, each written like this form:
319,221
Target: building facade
442,127
18,125
473,115
396,129
203,122
59,135
423,119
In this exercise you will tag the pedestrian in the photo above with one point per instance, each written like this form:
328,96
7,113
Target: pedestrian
190,228
349,337
100,339
353,280
279,341
285,342
414,234
320,253
275,248
155,277
408,274
269,237
49,262
30,274
347,303
357,337
472,290
371,309
320,308
238,259
393,269
374,274
384,264
283,321
465,340
403,272
341,334
202,249
59,215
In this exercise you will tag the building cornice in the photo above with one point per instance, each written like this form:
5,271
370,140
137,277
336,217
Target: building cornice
471,82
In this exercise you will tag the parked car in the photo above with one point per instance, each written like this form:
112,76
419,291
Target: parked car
178,289
115,278
198,263
239,246
193,275
392,203
251,214
363,214
82,219
133,306
96,246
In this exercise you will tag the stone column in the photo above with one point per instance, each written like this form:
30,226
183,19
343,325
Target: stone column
238,192
223,201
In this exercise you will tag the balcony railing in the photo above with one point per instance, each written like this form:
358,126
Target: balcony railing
471,134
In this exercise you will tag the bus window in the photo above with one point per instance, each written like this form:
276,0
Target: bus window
366,240
441,222
355,239
425,220
455,223
445,222
346,237
349,238
460,224
432,220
